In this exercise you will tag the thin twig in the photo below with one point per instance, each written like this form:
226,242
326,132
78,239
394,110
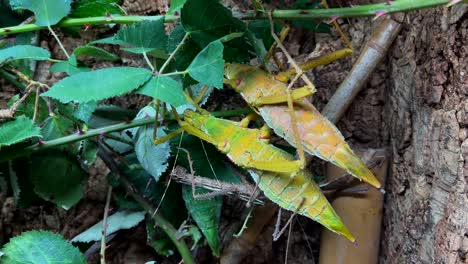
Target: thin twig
277,233
287,244
299,73
104,226
244,225
36,104
58,41
148,62
163,67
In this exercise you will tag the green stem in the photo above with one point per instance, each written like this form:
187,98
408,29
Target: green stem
174,52
104,226
11,154
147,60
72,22
174,73
355,11
58,41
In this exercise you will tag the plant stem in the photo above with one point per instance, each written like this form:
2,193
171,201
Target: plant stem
165,225
104,226
174,73
295,14
355,11
11,153
58,41
147,60
72,22
174,52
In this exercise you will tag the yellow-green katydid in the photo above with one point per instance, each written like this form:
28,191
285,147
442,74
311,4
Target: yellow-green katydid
317,134
249,148
294,118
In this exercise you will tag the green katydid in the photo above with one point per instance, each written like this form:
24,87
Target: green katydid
270,167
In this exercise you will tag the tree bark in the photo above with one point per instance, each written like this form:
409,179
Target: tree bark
426,126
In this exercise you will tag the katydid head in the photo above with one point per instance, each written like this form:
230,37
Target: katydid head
208,127
235,73
195,119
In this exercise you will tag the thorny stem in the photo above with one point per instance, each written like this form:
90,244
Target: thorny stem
165,225
163,67
293,14
58,41
104,226
11,154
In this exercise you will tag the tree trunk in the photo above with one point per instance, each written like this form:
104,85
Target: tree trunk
426,126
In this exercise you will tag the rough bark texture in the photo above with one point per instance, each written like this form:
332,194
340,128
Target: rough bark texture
426,121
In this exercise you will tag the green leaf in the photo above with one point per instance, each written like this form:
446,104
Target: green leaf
95,52
153,158
110,40
57,179
21,52
47,12
208,20
41,247
176,5
70,66
165,89
55,127
208,65
85,111
67,67
118,221
261,29
207,215
94,8
98,85
144,36
18,130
